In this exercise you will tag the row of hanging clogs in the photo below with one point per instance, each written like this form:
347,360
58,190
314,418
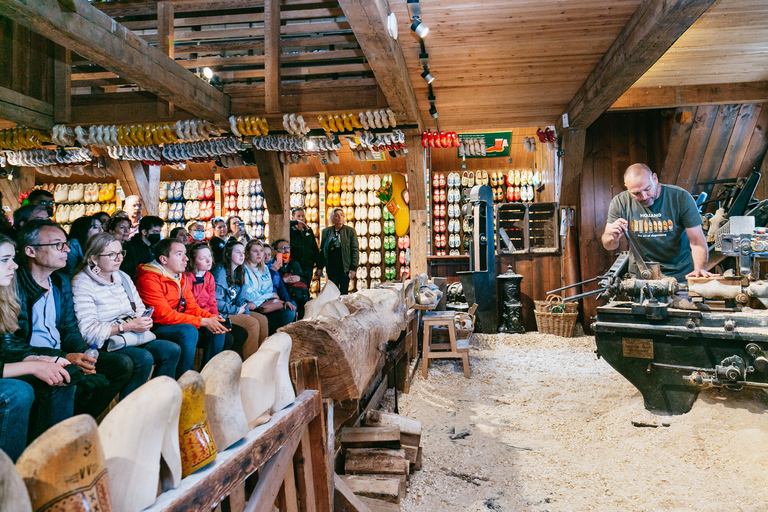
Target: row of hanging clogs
194,189
524,193
353,183
46,157
171,211
74,211
243,187
241,126
366,258
230,161
295,124
191,210
84,192
303,185
372,243
244,202
61,171
452,210
310,200
367,120
474,146
170,226
439,139
260,231
23,137
312,214
171,190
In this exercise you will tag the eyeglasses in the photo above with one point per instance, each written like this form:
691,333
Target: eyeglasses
284,248
58,245
112,256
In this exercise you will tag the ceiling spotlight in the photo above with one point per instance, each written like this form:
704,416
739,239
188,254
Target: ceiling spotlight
208,73
418,28
427,76
433,112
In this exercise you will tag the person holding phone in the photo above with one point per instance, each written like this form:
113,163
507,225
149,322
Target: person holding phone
259,291
112,316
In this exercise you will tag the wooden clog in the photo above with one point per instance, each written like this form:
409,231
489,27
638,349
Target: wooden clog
196,444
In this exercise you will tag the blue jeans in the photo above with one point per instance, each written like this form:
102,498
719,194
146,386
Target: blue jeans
186,336
279,318
27,409
161,353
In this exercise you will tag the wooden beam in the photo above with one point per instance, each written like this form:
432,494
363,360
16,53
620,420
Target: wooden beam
165,44
416,163
145,178
344,500
22,109
62,85
368,19
149,7
272,55
572,145
12,189
643,98
272,475
648,34
92,34
275,183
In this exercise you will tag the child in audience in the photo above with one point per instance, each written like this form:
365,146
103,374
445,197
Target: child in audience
110,313
36,390
259,291
230,278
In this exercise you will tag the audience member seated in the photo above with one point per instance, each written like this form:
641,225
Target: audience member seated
218,239
237,230
47,318
27,213
180,235
163,286
40,197
295,279
35,389
138,250
230,278
133,208
277,280
104,218
81,231
120,227
6,228
196,231
110,313
259,291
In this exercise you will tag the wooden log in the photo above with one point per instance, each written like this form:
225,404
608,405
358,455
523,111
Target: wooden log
411,453
371,437
376,460
379,487
380,506
348,351
410,428
344,500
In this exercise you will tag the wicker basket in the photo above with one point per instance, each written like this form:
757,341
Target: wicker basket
555,317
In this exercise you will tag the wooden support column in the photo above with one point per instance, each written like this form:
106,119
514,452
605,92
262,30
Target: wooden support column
90,33
137,178
416,163
26,110
368,19
62,85
275,183
165,44
272,56
572,144
12,189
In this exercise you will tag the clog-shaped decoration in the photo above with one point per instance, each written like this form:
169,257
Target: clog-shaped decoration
198,448
66,468
109,194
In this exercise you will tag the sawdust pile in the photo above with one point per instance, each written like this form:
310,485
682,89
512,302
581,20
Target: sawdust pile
543,425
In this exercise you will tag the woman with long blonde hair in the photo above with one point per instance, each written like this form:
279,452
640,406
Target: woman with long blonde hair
34,391
259,291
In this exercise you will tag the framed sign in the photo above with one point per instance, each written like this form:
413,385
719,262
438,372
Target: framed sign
496,143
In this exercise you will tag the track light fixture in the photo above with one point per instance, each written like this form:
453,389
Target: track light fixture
433,111
208,73
427,76
419,28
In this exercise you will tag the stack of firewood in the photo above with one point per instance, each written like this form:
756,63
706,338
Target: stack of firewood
379,457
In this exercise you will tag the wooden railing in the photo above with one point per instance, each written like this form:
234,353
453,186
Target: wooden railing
283,460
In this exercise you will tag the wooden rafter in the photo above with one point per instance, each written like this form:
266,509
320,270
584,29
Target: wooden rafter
272,56
651,30
368,19
641,98
92,34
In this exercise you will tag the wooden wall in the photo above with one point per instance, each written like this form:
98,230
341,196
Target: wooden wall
541,273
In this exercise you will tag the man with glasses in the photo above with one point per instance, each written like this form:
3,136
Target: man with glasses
177,316
138,250
296,281
39,197
47,318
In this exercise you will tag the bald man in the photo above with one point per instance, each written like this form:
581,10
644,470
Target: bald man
665,221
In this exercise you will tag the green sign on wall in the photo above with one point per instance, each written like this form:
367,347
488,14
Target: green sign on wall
496,143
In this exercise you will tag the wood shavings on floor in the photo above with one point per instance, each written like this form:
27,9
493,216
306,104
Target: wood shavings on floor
543,425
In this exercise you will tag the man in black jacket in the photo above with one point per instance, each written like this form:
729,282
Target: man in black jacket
138,250
47,317
304,249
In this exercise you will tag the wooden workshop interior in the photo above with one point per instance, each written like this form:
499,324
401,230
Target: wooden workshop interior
680,85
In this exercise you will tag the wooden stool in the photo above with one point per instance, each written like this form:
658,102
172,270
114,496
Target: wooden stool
419,309
454,349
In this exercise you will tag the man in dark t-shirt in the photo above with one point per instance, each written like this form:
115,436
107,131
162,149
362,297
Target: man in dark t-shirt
665,223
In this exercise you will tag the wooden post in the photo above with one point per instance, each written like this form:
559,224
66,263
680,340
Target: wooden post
272,57
274,182
573,159
417,172
165,45
148,181
62,72
12,189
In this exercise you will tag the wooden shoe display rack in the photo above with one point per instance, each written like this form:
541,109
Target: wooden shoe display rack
183,201
245,199
304,193
74,200
383,255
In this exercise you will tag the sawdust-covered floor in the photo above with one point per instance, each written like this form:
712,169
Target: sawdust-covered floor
543,425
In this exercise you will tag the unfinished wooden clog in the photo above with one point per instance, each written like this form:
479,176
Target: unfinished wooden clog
65,468
13,492
196,443
330,292
284,394
135,434
258,384
223,405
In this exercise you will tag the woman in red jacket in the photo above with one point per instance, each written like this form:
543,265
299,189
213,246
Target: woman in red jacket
199,275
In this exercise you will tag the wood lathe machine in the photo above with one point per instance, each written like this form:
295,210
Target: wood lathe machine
672,340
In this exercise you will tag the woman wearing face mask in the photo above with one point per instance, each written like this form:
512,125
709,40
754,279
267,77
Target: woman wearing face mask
230,279
219,238
110,313
37,391
293,277
82,230
259,291
196,231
